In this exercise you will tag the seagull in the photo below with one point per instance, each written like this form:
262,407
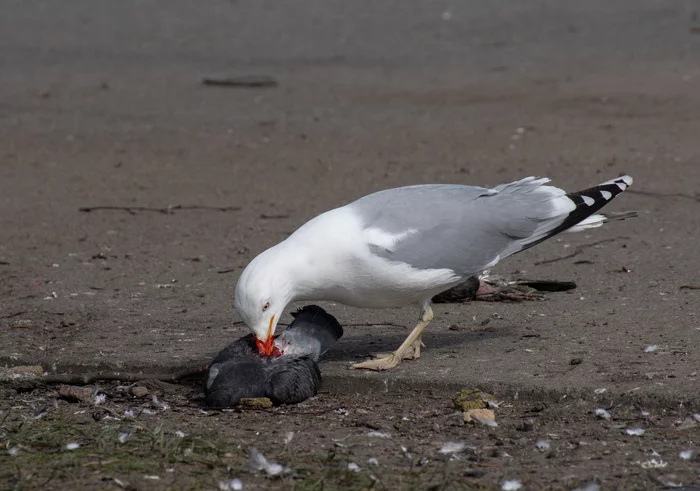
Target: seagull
402,246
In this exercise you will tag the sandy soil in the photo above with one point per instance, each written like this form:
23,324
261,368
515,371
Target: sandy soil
101,104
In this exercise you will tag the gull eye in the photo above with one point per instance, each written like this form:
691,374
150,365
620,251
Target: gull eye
266,306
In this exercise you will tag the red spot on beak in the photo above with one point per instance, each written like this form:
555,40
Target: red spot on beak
266,347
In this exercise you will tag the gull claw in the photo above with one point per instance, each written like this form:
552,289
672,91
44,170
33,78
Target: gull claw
387,361
379,364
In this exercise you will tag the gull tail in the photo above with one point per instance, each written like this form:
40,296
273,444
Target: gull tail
575,212
589,201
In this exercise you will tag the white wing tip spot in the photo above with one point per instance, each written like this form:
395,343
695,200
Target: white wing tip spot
606,194
588,200
623,182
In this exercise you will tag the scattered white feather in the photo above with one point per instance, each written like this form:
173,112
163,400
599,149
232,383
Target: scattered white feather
651,348
162,405
13,450
258,462
635,431
288,437
686,454
452,447
124,437
100,399
372,461
353,467
379,434
152,477
72,446
589,487
602,414
542,445
232,485
511,485
654,464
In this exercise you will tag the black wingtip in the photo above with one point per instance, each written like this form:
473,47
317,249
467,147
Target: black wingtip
593,199
587,203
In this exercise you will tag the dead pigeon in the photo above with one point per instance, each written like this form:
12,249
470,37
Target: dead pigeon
292,376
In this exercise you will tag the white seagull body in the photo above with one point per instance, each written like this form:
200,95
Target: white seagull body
403,246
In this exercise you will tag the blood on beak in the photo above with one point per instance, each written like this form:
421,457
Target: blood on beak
266,347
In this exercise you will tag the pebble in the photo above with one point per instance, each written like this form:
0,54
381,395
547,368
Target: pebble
138,391
72,393
525,426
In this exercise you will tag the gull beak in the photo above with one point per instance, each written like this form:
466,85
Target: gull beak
266,347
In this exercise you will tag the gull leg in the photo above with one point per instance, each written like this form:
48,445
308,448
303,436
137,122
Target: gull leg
409,349
412,353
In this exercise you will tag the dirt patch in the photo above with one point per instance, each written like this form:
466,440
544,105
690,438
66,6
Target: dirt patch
408,440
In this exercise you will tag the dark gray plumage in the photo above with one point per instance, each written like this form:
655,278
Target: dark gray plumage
238,371
312,333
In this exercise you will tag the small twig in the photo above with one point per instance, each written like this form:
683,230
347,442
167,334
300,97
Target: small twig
10,316
227,270
251,81
663,195
166,211
308,413
53,474
578,251
273,217
4,263
689,287
110,411
89,378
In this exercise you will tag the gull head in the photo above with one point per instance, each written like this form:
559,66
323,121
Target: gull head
263,291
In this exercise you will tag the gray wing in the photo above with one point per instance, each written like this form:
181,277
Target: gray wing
463,228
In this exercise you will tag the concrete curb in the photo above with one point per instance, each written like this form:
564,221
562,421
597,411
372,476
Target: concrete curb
345,381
